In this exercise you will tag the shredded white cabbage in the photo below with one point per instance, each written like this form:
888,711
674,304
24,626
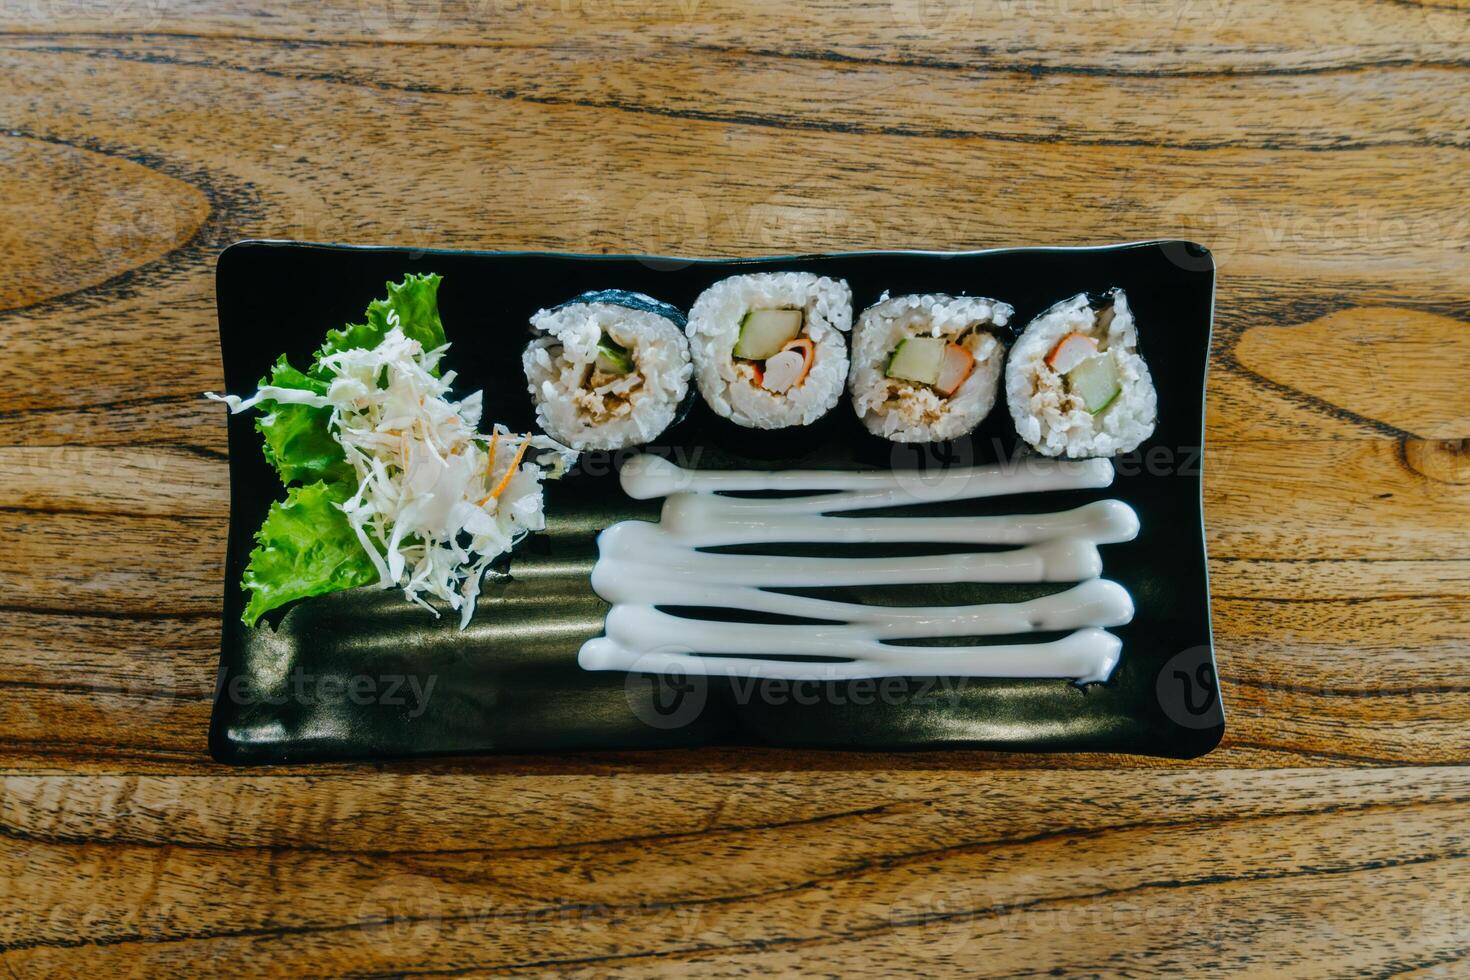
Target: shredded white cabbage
437,500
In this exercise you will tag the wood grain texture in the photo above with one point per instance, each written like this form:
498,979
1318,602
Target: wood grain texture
1318,147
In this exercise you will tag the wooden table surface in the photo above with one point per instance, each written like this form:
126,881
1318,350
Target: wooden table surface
1319,147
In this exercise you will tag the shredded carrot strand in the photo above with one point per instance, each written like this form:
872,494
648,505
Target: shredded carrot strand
490,460
505,480
489,467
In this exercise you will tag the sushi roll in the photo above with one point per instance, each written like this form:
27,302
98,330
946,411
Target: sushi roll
927,368
768,347
1075,382
608,370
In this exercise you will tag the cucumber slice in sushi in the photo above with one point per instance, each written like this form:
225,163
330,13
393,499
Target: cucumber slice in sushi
764,332
612,358
1095,381
918,359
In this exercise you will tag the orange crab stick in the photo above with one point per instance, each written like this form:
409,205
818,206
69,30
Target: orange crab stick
957,365
808,351
1071,351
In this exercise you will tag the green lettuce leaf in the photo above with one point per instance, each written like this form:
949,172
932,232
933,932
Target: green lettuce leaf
305,547
297,440
415,300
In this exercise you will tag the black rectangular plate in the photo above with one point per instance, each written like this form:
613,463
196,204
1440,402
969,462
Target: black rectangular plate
365,674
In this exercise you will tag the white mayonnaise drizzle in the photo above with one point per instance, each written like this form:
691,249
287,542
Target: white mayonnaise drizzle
642,566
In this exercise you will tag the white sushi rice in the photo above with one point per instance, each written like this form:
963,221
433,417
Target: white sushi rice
1053,421
906,411
729,384
580,409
